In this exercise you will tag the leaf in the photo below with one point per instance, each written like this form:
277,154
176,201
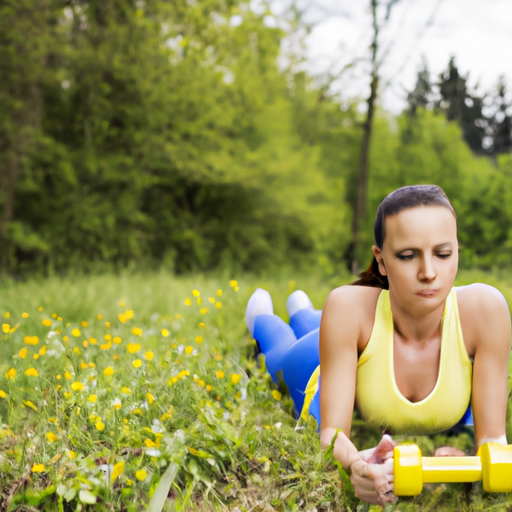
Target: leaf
88,497
161,492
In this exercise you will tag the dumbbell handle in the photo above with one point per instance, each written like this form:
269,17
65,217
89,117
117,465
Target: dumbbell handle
437,470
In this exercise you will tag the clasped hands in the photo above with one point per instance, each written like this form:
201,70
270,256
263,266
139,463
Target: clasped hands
372,474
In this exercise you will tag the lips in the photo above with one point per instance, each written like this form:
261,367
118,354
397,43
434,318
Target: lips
427,293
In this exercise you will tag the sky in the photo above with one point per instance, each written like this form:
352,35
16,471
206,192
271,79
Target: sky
478,33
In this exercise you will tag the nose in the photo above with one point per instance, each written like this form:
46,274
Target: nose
427,270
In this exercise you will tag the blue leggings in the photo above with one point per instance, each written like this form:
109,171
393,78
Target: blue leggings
292,353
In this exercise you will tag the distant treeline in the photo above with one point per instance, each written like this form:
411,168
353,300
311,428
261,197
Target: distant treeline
149,133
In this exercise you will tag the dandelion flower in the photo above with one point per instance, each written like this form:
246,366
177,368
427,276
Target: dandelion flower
220,374
100,426
85,343
107,325
67,375
76,333
137,331
126,391
83,323
122,318
141,474
201,383
6,328
28,403
92,365
133,347
203,311
202,324
108,371
189,349
99,316
71,454
83,365
233,283
199,301
42,350
218,305
77,386
219,293
76,350
199,339
31,340
51,437
235,378
92,399
276,395
116,404
25,315
149,355
36,356
209,387
165,333
137,363
23,353
3,394
117,340
211,299
188,302
31,372
47,322
150,398
38,468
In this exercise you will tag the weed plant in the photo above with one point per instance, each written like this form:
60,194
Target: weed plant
108,381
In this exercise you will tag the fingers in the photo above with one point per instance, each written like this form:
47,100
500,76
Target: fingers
373,483
448,451
383,451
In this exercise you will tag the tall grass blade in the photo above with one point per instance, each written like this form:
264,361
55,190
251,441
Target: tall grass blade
162,491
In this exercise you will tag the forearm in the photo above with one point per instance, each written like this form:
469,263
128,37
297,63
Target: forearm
344,450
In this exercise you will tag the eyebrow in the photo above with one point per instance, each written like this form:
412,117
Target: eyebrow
438,247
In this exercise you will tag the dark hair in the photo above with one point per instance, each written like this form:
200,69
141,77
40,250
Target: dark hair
401,199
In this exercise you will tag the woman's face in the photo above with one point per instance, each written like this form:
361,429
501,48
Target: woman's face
420,256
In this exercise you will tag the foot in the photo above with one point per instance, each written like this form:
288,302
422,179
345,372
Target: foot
296,301
260,303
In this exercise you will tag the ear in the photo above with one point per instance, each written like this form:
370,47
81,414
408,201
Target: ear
378,256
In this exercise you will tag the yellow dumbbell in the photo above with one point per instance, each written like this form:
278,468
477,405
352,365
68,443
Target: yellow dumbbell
492,464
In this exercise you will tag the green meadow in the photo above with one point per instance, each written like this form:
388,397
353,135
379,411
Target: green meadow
143,392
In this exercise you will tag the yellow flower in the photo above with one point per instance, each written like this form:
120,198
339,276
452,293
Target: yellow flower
67,394
118,469
196,293
150,444
107,325
165,333
76,350
220,374
133,347
122,318
28,403
51,437
83,365
40,308
183,373
31,340
126,391
65,339
6,328
121,303
235,378
276,395
77,386
99,316
7,314
92,365
189,349
209,387
199,301
188,302
42,350
100,425
129,314
149,355
233,283
199,339
150,398
71,454
203,311
3,394
137,363
108,371
47,322
36,356
106,346
83,323
76,332
23,353
218,305
202,324
54,315
25,315
85,343
178,316
201,383
107,337
211,299
38,468
137,331
67,375
117,340
141,474
92,399
31,372
219,293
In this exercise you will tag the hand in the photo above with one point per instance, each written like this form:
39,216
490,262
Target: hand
448,451
373,483
381,453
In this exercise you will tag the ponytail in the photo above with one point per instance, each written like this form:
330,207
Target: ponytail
372,277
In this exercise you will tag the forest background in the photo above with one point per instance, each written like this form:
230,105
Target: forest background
181,134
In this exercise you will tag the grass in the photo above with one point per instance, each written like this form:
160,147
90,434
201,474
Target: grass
108,383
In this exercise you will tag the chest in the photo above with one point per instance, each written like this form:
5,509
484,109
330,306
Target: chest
416,367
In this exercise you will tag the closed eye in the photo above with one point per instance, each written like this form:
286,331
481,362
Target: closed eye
444,255
406,257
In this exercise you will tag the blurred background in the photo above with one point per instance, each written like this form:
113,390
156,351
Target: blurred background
200,135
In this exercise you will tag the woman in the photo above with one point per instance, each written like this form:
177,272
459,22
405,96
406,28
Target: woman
404,345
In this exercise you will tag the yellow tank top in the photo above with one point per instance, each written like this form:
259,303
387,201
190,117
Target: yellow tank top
377,396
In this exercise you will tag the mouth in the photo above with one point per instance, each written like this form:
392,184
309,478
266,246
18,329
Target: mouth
427,293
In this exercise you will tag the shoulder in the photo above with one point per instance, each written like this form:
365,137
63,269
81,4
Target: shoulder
484,315
351,310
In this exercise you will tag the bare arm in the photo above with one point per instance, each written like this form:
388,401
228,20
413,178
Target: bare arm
339,335
490,365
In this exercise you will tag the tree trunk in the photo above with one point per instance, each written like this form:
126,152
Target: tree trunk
362,182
